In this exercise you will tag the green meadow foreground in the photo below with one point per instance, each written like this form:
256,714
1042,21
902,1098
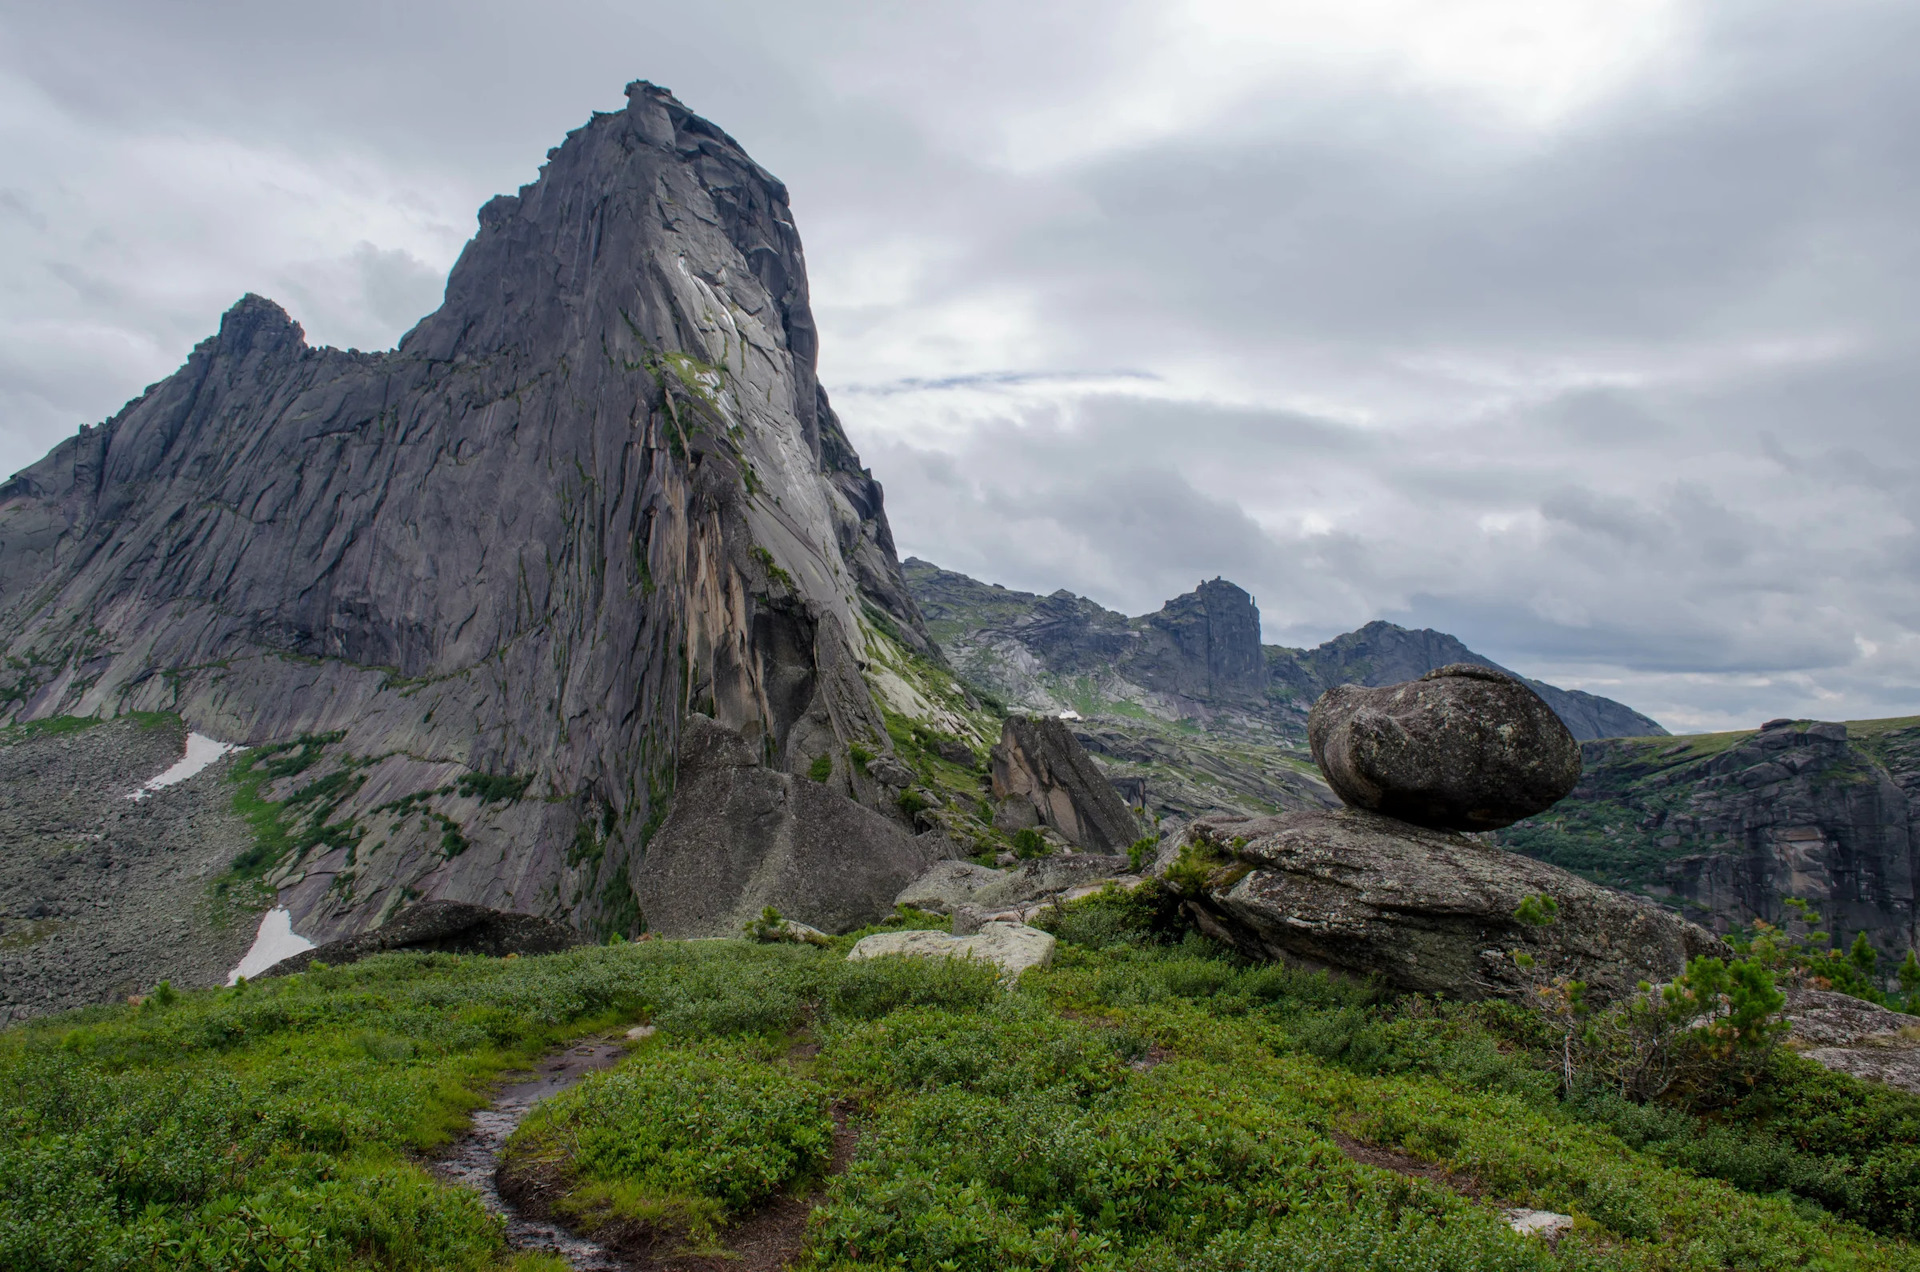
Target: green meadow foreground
1149,1102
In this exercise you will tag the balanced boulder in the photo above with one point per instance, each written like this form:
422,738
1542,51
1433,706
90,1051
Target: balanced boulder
1461,748
1424,910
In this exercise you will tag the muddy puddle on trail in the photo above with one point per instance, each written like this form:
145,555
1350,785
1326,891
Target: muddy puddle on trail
476,1155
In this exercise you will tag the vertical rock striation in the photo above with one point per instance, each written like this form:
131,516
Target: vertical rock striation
599,487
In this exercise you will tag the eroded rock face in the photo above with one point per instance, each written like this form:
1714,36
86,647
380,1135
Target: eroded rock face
447,927
600,484
743,836
1041,773
1461,748
1425,910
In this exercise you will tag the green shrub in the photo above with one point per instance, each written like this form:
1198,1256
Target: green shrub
821,769
1029,843
677,1139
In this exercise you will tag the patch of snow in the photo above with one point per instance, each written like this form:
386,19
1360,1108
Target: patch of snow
201,751
1070,714
276,940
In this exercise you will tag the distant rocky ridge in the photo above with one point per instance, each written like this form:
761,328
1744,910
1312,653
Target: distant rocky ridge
1186,701
1726,827
1200,651
477,583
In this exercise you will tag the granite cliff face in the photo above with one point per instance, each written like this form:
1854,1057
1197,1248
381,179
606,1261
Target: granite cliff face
488,573
1728,826
1186,702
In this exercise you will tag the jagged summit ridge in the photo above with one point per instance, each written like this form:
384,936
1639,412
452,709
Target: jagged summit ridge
1200,654
598,487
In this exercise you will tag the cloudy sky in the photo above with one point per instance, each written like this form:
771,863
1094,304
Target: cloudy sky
1584,331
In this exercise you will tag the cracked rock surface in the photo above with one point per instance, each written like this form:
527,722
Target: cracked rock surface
1426,910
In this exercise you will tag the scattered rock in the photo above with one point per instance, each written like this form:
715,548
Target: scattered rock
1544,1224
450,927
1425,910
102,896
1461,748
742,837
1042,777
1012,947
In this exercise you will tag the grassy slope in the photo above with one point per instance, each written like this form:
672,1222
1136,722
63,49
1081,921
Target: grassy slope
1138,1106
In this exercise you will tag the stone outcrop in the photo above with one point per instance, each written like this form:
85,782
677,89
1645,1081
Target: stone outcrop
1426,911
601,485
1012,947
1729,826
1042,777
1460,748
444,927
1850,1035
948,885
1175,703
743,836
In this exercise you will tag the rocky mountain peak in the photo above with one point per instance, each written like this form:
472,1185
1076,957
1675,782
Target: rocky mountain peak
599,488
1215,627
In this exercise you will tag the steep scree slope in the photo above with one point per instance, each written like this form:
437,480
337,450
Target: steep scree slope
598,487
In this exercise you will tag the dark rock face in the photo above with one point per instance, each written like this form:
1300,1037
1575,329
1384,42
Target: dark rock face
1426,910
1461,748
1041,774
446,927
1212,646
599,486
743,836
1731,825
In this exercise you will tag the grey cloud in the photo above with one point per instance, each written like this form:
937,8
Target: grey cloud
1630,398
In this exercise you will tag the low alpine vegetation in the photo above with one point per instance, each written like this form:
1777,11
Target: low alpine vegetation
1149,1102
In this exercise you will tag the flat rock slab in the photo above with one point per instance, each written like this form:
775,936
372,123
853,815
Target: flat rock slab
1012,947
1852,1036
449,927
1425,910
1823,1018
